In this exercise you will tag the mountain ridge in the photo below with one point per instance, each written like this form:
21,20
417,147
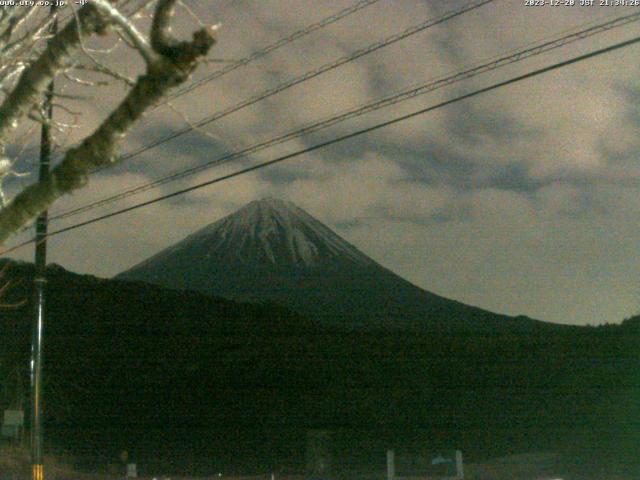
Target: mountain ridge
272,250
259,221
169,374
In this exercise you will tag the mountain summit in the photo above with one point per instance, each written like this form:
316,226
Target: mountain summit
273,231
273,251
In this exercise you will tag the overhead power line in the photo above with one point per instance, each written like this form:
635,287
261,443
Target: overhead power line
310,74
407,94
235,64
274,46
342,138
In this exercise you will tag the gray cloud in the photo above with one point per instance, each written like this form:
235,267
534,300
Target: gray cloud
523,200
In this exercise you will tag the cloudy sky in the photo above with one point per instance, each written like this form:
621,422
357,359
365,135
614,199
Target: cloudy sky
524,200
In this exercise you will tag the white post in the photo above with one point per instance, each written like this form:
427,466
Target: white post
391,467
132,470
459,466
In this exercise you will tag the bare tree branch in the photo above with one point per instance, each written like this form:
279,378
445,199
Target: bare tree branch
37,76
10,23
4,288
104,70
129,29
171,64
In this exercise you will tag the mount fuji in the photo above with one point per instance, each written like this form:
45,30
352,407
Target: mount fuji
273,251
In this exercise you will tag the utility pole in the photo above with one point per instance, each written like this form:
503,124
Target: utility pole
40,280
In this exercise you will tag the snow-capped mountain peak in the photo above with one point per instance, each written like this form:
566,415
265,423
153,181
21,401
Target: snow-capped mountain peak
270,231
280,232
273,251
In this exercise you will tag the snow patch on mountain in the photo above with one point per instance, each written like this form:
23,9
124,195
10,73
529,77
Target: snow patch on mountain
271,231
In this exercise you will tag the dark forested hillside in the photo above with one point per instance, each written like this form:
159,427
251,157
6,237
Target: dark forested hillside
201,382
273,251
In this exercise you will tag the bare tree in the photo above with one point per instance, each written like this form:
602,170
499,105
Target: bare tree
5,286
31,57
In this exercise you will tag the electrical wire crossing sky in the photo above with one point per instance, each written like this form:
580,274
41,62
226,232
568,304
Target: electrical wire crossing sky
485,151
